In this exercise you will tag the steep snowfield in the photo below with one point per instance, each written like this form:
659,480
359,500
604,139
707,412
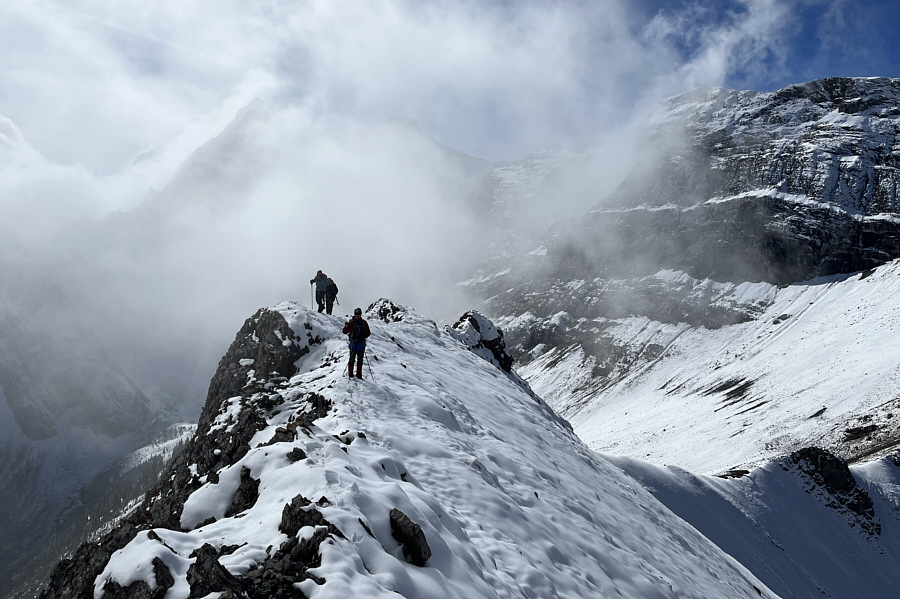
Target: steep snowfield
818,367
511,503
784,533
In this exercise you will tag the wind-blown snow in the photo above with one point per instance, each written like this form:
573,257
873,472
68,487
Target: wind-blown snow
512,504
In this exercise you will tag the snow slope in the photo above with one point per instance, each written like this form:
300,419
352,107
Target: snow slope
511,503
818,366
784,532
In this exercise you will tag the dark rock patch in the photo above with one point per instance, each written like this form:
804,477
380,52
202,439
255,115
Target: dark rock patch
854,433
732,388
734,473
296,455
246,495
276,576
827,476
206,575
282,435
317,407
411,538
298,514
752,407
818,413
387,311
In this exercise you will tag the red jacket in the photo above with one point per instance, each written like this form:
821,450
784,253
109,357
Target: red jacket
358,331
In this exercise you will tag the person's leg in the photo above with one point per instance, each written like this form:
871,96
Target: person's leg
320,299
359,363
350,364
329,304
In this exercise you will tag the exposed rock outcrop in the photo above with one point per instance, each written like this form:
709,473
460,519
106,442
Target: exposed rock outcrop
411,538
387,311
828,476
479,334
246,386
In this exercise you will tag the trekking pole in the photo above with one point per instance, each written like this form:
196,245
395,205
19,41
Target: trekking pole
371,374
310,295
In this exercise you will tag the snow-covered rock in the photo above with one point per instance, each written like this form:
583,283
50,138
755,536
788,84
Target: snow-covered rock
479,334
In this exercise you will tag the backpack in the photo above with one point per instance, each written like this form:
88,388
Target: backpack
357,340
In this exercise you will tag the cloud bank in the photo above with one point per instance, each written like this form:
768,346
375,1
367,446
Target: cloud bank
114,113
102,82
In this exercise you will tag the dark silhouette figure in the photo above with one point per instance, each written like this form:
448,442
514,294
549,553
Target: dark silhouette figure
331,291
357,331
321,281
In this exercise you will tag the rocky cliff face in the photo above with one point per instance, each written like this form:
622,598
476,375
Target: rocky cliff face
744,186
833,141
736,191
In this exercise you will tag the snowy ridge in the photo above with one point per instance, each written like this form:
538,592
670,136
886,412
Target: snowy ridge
510,502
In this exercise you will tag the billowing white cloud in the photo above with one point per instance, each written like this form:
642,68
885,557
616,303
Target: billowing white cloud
101,82
104,100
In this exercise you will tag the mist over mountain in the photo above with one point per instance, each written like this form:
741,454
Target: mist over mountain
746,208
692,288
113,329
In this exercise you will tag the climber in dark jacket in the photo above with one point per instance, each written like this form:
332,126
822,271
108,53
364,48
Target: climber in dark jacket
321,281
331,292
357,331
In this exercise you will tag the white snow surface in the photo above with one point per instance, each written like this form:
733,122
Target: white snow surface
746,393
771,523
163,446
511,502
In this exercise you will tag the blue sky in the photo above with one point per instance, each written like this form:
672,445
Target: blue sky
819,38
103,83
